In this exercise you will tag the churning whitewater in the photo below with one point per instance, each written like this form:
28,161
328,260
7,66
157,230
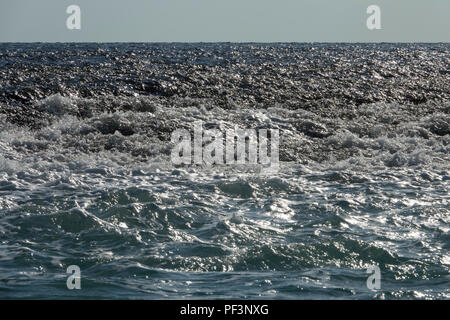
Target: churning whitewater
86,176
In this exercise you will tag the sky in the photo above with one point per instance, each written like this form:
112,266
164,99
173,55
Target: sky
225,21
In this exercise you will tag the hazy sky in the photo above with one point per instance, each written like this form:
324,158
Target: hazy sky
225,20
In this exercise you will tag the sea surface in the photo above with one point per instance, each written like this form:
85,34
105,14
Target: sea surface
86,177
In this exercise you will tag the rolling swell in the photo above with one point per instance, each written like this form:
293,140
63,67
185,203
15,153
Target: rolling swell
86,179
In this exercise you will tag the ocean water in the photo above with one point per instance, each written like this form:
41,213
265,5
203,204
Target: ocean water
86,176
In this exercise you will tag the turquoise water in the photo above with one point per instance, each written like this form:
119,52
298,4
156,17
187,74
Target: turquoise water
86,178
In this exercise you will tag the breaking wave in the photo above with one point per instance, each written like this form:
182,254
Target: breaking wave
86,177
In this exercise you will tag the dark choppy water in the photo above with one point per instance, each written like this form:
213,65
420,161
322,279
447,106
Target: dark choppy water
86,179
